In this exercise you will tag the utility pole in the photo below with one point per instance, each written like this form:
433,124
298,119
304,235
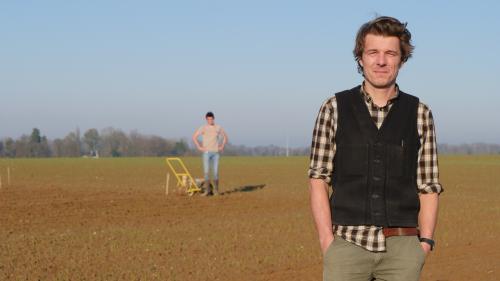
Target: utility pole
287,147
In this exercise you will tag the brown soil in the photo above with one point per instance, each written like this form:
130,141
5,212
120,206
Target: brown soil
109,219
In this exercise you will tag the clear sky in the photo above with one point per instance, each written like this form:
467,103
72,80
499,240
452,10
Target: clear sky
263,67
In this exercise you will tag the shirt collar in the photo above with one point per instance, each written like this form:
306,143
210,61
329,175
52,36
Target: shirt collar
368,98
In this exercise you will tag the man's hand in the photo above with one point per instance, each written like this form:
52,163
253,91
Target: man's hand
221,148
326,243
426,247
202,149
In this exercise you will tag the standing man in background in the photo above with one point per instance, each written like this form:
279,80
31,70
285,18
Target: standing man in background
211,147
376,146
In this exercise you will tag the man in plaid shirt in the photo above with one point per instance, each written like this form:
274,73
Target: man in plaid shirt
376,146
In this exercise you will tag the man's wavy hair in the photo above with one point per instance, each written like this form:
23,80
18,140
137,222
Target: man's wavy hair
385,26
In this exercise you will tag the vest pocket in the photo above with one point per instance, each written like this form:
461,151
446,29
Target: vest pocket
403,204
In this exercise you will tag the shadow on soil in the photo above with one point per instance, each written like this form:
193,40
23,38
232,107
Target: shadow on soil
245,188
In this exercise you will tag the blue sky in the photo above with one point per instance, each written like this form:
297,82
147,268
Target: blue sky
263,67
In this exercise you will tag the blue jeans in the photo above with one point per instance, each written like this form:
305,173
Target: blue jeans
211,159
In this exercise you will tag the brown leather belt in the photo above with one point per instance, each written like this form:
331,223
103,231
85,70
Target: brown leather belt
399,231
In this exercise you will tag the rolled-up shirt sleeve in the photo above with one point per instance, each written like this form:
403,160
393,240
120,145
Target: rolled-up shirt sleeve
323,142
427,169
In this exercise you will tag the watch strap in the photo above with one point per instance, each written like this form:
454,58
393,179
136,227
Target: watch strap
428,241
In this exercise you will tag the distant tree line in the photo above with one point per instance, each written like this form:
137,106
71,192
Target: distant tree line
471,148
267,150
111,142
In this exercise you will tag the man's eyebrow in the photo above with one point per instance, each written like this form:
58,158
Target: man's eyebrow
394,52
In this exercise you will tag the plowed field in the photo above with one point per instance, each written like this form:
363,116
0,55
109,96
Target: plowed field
109,219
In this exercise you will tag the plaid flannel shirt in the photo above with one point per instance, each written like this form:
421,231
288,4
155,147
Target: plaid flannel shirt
323,150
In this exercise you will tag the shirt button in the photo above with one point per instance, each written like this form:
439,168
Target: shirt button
375,196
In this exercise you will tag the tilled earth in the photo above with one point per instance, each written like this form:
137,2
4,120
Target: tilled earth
109,219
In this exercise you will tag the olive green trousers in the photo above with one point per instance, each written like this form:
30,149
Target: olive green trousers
402,261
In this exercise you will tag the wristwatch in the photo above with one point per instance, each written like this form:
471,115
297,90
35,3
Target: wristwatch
428,241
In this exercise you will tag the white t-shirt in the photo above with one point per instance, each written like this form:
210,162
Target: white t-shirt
210,136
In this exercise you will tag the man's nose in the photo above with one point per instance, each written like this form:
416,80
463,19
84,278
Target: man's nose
381,60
